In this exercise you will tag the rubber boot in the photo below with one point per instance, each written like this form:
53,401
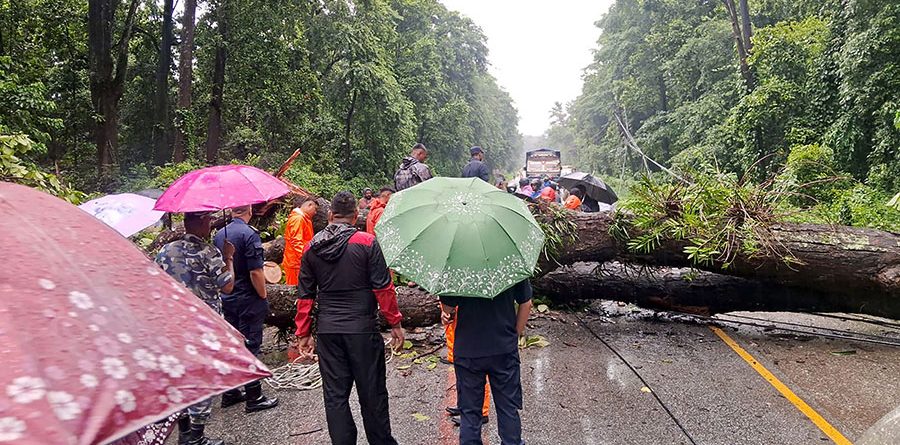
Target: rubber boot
256,401
198,437
184,429
233,397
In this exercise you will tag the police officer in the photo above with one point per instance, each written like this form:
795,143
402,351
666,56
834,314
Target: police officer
476,168
202,269
246,306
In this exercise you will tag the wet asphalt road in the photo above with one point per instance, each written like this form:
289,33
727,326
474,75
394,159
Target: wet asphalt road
577,391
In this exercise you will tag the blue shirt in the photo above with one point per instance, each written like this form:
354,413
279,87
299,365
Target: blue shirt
248,255
487,327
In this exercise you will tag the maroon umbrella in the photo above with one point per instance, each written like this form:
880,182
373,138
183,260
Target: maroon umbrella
97,342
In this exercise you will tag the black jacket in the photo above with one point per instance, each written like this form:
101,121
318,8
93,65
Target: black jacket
476,169
345,271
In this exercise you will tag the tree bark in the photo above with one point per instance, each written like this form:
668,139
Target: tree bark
686,290
214,132
107,75
746,26
418,307
185,79
163,67
742,49
837,261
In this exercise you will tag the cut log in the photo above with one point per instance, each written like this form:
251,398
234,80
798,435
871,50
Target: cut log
836,261
688,290
274,250
418,307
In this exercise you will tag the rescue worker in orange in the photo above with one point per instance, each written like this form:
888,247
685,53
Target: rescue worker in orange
297,234
450,335
376,208
573,202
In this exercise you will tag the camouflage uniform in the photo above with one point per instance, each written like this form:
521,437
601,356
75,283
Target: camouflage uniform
200,267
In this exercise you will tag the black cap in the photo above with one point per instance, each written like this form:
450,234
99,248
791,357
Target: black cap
475,150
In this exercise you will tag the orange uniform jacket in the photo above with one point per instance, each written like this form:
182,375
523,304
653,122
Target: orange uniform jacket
297,234
377,209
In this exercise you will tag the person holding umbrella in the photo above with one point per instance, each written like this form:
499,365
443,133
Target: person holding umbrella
236,187
205,271
137,345
475,247
246,307
487,346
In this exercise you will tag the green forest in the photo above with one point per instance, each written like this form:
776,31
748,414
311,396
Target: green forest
121,95
118,95
804,92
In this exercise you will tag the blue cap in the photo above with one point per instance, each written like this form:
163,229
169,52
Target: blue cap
475,150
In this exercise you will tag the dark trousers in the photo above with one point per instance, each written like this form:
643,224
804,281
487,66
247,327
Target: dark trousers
345,359
247,314
506,386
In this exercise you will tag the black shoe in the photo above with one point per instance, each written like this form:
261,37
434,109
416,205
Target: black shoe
198,437
261,404
457,422
445,361
232,398
256,401
184,430
453,411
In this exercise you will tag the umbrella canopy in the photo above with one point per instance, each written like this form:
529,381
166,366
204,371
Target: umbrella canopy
593,187
97,341
128,213
220,187
460,237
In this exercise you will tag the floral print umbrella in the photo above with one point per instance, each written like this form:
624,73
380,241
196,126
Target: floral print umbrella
460,237
97,342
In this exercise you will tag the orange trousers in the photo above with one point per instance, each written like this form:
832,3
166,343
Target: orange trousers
291,276
450,334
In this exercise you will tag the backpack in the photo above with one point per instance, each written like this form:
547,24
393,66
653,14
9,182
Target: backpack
406,178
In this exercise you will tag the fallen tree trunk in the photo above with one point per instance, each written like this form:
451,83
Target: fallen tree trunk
835,261
687,290
418,307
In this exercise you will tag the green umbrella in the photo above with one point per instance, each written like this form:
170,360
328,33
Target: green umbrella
460,237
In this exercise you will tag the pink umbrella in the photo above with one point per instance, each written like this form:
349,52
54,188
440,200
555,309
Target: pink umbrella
126,212
220,187
97,341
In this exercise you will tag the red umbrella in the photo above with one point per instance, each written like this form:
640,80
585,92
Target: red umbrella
220,187
96,340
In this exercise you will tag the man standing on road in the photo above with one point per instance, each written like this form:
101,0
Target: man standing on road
487,345
297,233
246,306
345,271
413,169
202,269
476,168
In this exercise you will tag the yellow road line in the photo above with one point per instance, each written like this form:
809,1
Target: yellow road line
817,419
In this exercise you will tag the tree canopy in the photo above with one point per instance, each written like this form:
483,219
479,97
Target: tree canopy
98,88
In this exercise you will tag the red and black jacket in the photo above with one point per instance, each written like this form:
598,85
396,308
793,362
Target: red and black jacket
345,271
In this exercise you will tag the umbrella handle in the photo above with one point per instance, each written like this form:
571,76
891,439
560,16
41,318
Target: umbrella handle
225,227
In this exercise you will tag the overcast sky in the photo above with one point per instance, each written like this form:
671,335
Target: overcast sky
538,49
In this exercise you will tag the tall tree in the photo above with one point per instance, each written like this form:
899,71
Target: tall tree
107,73
166,41
215,128
185,78
742,38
